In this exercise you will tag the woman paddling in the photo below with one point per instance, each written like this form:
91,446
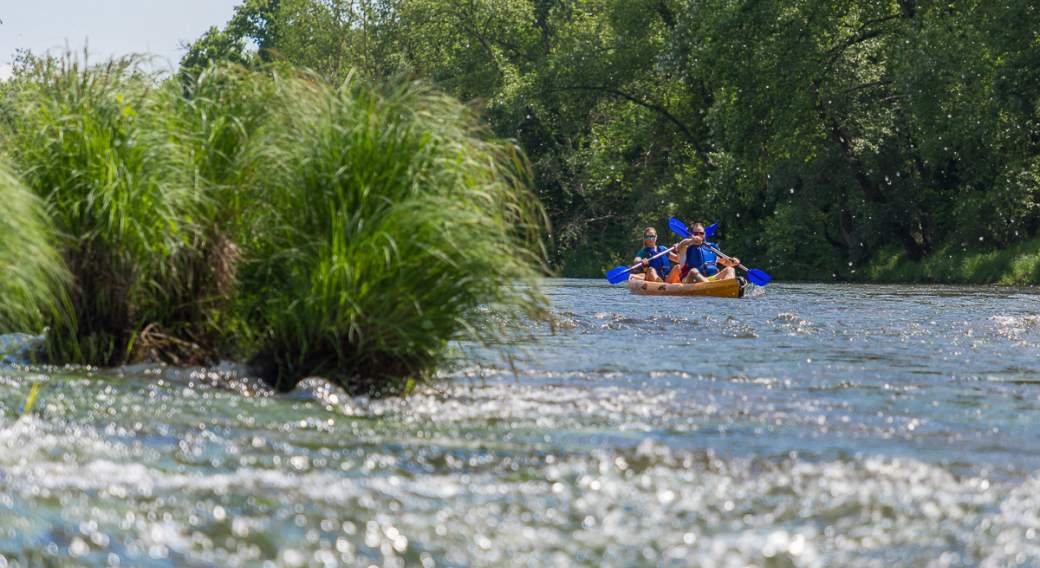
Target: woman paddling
654,269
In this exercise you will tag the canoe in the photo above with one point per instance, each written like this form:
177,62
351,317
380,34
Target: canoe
731,288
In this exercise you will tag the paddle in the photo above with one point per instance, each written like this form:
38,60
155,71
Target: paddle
621,273
756,276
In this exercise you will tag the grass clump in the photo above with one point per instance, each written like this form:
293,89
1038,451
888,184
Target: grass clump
396,226
349,231
86,144
211,117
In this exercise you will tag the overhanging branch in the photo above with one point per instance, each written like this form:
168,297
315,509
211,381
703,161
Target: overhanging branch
865,85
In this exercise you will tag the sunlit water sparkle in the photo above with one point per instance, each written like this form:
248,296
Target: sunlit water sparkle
812,425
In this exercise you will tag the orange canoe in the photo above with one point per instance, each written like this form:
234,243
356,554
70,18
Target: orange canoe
730,288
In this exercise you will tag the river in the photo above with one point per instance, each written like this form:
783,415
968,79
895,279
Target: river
808,425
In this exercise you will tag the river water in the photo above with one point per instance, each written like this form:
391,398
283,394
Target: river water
808,425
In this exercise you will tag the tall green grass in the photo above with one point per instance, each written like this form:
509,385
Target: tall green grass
32,275
393,226
87,145
211,117
349,231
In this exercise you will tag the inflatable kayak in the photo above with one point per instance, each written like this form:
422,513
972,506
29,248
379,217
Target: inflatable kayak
731,288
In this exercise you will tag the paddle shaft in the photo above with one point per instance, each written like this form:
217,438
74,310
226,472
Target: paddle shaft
618,274
720,253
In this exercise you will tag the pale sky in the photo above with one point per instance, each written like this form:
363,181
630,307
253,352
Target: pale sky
108,27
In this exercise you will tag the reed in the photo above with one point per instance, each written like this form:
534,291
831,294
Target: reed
390,226
32,274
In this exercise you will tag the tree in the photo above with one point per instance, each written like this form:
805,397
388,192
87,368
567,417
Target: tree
879,116
824,133
254,22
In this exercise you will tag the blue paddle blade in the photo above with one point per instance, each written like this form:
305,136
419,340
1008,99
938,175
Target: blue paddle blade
681,230
758,277
618,274
678,228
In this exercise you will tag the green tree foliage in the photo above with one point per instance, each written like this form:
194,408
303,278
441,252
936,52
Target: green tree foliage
821,134
214,46
253,23
866,123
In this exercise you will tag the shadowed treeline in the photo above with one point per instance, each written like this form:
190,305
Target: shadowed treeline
346,229
825,137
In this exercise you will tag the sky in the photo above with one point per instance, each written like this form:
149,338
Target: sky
108,27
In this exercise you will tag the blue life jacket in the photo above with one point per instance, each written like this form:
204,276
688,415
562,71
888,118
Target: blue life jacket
661,265
701,258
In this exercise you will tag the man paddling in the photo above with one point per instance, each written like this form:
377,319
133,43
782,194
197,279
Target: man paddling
699,263
657,269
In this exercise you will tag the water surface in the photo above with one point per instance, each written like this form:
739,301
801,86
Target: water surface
811,425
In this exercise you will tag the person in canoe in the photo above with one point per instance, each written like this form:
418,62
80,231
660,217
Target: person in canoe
699,263
658,269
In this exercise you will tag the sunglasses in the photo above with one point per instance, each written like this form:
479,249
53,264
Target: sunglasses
700,233
651,237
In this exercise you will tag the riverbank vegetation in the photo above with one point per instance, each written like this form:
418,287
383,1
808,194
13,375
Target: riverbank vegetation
349,229
1018,264
821,135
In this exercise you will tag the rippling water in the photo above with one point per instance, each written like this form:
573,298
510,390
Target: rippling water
812,425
